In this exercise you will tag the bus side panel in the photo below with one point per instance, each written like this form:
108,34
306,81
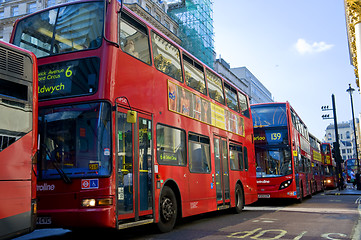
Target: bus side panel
15,207
16,187
16,160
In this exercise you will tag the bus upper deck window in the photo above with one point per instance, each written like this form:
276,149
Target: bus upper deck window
166,57
134,39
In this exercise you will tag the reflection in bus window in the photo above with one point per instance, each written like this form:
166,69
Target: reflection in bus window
236,157
134,39
125,163
273,115
171,147
166,57
194,76
215,87
199,154
53,31
232,100
273,162
243,103
76,140
15,111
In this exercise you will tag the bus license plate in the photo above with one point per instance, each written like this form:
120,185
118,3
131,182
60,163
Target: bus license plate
264,196
43,221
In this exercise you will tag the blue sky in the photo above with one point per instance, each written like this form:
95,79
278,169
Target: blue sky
297,49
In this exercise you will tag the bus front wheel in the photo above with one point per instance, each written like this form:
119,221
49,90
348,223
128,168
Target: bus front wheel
167,210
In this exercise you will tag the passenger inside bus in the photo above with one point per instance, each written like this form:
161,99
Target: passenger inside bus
130,48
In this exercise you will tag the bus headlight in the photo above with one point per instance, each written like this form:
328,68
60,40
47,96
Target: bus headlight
88,202
285,184
328,180
97,202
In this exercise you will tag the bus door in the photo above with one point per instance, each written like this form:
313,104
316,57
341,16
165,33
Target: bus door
221,171
134,168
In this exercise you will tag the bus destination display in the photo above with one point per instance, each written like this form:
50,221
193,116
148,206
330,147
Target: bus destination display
67,79
275,136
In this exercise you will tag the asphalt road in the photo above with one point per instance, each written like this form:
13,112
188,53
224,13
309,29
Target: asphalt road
324,216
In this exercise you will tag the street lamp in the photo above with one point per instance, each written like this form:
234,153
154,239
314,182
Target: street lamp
350,90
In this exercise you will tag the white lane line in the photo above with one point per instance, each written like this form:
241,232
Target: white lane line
357,230
307,210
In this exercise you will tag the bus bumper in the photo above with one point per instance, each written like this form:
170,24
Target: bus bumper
77,218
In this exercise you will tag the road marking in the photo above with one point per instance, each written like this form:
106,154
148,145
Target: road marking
278,233
357,230
273,234
300,236
265,220
307,210
332,235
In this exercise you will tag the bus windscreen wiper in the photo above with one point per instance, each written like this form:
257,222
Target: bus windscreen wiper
55,163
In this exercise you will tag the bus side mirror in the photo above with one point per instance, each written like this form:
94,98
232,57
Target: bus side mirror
131,116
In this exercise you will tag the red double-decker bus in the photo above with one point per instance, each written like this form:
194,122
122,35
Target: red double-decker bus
133,128
330,173
316,164
283,155
18,140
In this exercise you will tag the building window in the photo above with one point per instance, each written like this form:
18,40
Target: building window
31,7
1,14
50,3
329,136
148,8
166,24
14,11
157,16
348,135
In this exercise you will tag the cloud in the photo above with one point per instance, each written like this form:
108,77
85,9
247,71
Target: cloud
304,47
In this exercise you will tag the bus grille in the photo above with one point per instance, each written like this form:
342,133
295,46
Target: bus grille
12,62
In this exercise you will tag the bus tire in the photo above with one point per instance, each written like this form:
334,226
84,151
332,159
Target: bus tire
167,210
239,199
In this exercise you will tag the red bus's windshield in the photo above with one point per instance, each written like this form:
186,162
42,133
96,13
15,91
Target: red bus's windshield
329,171
351,165
76,141
273,162
60,30
326,149
274,115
